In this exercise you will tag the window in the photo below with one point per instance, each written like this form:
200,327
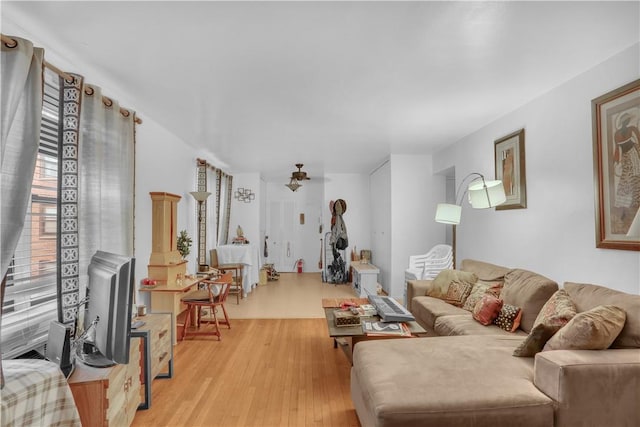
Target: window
30,302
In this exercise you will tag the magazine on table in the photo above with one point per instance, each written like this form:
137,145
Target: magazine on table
382,328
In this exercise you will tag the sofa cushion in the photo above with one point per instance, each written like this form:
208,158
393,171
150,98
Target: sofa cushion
464,324
529,291
426,310
484,270
595,329
508,318
478,291
487,309
587,297
493,388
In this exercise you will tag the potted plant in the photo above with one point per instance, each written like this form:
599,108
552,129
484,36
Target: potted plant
184,243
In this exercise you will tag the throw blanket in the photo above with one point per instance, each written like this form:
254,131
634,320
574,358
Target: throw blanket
36,394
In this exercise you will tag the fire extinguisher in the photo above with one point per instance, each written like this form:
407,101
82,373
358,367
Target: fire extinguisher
299,265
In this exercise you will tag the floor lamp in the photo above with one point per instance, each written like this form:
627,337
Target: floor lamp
482,194
201,197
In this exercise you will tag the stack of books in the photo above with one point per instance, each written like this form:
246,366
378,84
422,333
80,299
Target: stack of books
399,329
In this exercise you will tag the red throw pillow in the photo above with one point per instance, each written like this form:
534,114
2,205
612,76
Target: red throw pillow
487,309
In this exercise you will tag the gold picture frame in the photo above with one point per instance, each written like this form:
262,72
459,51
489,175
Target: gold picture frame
510,169
616,167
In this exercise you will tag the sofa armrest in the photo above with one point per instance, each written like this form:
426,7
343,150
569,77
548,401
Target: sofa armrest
602,387
417,288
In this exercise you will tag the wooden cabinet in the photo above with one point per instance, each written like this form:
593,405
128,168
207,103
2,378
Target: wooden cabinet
365,279
108,396
156,349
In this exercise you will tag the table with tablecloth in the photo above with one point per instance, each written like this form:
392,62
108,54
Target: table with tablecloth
36,393
249,255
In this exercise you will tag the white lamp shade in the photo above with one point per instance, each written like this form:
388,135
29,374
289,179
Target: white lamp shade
482,198
200,196
448,214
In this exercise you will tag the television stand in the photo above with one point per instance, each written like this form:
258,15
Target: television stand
108,396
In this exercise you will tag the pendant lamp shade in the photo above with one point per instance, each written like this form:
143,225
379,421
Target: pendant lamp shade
447,213
486,194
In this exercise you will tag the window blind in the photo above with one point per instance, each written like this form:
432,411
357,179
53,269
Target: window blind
30,302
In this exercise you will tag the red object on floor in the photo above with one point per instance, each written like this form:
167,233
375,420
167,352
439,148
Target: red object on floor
300,264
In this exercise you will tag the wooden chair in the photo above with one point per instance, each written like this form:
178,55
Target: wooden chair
213,297
236,268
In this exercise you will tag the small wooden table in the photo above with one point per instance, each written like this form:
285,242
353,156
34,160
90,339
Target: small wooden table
348,336
166,298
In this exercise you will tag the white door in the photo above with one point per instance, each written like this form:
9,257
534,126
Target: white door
281,232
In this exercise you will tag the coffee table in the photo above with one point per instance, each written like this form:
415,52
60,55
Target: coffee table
348,336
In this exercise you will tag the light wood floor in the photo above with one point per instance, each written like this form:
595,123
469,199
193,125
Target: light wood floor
264,372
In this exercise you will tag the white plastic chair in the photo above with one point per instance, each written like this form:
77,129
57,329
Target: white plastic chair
427,266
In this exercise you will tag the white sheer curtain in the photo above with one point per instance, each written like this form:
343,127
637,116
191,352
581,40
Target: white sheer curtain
21,109
223,205
106,168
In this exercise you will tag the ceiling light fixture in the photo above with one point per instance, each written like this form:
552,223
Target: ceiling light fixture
293,184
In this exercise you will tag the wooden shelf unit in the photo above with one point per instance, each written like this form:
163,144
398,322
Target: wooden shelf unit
156,349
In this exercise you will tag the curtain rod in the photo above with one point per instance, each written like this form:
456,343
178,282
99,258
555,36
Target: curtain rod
201,162
11,43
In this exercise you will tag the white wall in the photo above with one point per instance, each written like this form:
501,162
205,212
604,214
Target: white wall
555,234
163,163
415,191
305,238
354,189
381,225
247,215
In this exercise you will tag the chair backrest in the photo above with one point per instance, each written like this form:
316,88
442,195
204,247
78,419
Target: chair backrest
438,256
214,258
225,280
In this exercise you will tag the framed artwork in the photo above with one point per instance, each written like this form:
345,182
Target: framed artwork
616,167
510,169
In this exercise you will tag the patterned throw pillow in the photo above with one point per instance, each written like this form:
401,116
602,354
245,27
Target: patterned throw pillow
457,293
595,329
479,289
509,318
535,341
555,313
487,309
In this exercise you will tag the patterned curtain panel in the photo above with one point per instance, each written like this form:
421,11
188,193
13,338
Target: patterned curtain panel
218,205
212,213
71,95
227,211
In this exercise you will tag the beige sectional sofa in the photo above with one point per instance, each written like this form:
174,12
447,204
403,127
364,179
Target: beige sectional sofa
465,374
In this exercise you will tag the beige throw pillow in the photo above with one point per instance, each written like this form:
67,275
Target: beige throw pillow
595,329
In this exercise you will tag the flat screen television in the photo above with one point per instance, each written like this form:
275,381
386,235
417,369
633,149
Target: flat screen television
107,318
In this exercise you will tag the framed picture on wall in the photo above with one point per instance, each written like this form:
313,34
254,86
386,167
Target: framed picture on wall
616,167
510,169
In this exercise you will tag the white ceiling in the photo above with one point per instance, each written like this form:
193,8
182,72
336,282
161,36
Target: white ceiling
337,86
